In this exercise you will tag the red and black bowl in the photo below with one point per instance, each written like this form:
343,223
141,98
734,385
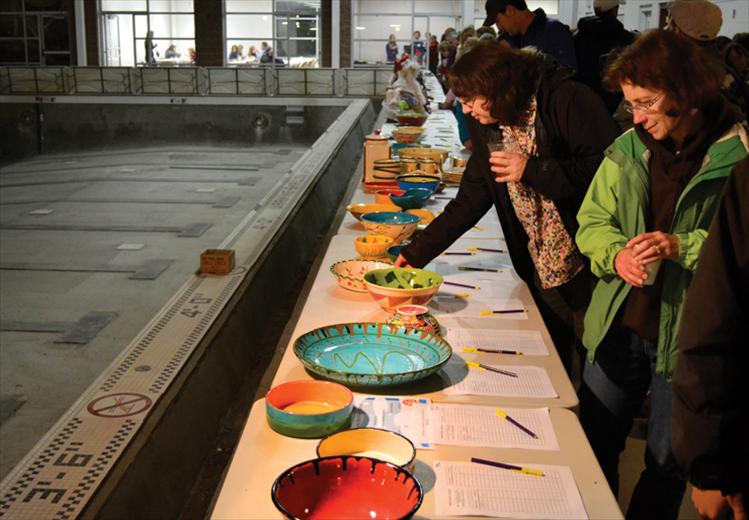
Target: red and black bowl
347,487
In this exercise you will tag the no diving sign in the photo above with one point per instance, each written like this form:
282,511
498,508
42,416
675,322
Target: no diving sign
119,405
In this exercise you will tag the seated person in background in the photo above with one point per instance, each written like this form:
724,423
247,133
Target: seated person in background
171,52
234,53
710,409
559,129
192,54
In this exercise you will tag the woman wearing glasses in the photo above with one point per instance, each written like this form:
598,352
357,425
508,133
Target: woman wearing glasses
642,225
558,129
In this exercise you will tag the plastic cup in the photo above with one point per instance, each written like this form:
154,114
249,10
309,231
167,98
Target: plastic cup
651,270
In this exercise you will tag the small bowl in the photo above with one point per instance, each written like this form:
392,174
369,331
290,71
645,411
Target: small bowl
412,120
420,181
309,408
372,246
394,251
397,225
396,286
370,442
349,273
345,487
407,134
375,186
357,210
413,198
426,216
383,196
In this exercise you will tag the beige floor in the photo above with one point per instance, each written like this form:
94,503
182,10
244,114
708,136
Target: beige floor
630,467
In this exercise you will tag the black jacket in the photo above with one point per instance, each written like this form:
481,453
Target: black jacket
710,434
596,37
573,129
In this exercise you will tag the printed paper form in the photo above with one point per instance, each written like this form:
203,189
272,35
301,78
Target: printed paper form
469,425
532,381
405,415
529,342
472,305
466,488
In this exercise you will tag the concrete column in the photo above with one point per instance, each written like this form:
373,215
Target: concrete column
91,17
335,34
324,32
209,33
80,33
345,33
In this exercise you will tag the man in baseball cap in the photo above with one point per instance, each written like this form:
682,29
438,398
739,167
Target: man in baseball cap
526,28
700,20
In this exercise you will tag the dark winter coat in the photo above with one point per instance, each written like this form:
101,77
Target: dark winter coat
572,131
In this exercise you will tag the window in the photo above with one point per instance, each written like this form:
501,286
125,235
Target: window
273,32
127,24
374,21
35,32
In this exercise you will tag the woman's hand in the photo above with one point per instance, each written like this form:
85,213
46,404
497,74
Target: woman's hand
401,262
653,246
507,166
629,268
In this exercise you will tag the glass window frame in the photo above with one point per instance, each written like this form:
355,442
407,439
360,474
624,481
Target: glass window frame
139,41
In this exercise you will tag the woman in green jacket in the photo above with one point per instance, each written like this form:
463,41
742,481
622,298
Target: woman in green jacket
642,224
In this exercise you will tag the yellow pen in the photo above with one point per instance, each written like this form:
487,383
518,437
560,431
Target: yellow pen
512,421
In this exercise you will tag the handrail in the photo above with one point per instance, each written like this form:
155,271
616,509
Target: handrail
192,81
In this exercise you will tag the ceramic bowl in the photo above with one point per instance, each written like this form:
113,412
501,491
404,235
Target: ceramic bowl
425,215
371,354
412,119
372,246
396,286
399,226
407,134
309,408
413,198
394,251
350,273
345,487
424,152
420,181
370,442
375,186
357,210
383,196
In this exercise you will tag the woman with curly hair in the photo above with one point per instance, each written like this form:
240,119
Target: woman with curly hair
561,129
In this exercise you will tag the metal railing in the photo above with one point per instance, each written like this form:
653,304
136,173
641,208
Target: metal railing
192,81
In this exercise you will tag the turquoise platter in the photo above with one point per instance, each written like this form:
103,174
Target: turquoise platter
371,354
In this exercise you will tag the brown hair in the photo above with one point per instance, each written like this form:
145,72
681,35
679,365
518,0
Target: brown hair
666,62
508,78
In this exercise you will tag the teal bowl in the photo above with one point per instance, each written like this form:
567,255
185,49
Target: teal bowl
418,181
309,408
371,354
394,252
414,198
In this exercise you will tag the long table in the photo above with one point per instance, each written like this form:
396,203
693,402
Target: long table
263,454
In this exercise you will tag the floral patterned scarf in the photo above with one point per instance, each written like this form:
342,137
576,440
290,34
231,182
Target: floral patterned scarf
550,245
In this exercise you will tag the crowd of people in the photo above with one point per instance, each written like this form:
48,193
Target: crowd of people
262,54
617,164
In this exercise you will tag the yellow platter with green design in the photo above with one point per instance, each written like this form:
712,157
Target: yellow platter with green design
371,354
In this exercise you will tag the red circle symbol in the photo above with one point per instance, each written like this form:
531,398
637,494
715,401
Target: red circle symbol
119,405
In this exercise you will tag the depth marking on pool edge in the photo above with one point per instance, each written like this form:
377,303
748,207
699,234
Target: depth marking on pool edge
60,474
